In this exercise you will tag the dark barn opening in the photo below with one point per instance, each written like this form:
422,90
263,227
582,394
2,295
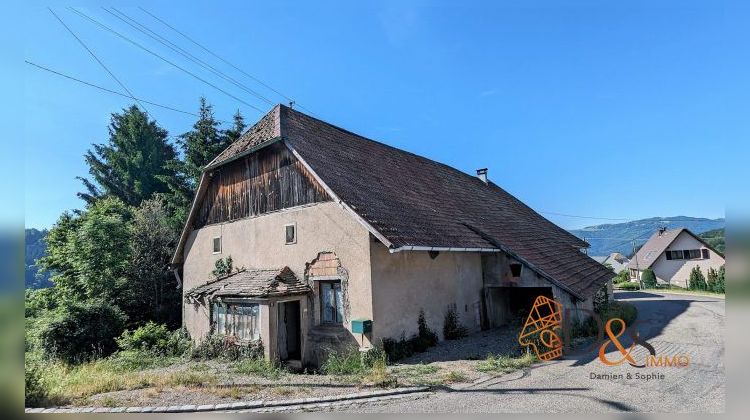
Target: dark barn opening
506,305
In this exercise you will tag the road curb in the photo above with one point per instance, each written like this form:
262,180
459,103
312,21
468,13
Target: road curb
244,405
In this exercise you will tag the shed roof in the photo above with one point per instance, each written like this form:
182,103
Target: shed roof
254,282
409,201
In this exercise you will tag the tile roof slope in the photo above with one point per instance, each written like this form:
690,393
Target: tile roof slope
254,282
652,249
267,128
414,201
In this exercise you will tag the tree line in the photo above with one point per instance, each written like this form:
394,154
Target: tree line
109,261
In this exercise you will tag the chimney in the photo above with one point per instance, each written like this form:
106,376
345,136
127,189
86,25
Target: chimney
662,230
482,174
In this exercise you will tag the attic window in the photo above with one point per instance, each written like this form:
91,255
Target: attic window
705,253
290,232
515,269
217,245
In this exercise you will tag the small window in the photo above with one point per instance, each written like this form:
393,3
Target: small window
331,306
217,245
290,232
515,269
705,254
668,254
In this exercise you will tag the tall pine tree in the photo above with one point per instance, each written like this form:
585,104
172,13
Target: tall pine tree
238,127
201,144
132,165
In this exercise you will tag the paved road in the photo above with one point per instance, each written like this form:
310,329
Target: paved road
673,324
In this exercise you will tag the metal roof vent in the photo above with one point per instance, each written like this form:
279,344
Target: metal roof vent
482,174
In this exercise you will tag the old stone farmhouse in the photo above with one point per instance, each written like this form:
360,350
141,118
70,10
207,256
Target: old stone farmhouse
337,239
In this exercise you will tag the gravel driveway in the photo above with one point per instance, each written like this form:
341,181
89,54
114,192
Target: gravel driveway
672,324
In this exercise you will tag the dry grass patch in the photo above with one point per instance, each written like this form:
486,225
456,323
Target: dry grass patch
505,364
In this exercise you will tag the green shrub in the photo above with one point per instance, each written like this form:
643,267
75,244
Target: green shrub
649,279
218,346
426,337
452,328
82,331
156,339
222,267
720,286
622,277
35,391
403,347
697,281
629,286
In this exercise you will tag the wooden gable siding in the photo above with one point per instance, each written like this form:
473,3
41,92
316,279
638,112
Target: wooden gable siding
268,180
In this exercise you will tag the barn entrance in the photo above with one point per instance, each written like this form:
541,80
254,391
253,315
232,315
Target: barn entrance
509,304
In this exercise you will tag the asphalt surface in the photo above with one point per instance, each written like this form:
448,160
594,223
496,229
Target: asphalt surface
673,324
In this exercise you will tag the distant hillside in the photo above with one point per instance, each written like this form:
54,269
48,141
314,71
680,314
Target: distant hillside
35,249
716,239
618,237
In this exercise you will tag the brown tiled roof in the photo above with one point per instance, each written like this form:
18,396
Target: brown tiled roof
266,129
412,201
253,282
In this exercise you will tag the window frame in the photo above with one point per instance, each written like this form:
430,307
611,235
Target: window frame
232,320
294,227
213,245
331,282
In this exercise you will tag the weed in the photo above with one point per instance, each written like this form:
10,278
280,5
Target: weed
505,364
454,376
259,367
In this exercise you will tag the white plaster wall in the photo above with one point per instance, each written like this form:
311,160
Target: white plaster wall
259,242
405,282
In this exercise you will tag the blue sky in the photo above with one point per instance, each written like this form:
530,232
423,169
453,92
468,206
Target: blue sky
613,111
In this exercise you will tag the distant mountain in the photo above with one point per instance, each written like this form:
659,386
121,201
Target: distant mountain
716,239
618,237
35,249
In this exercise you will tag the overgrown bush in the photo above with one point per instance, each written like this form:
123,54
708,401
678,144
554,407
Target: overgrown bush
622,277
156,339
601,298
452,328
82,331
649,279
218,346
629,286
35,391
697,281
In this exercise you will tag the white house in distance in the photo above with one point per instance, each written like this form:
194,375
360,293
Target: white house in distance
617,261
672,254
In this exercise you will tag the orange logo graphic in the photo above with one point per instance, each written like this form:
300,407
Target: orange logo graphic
613,338
542,329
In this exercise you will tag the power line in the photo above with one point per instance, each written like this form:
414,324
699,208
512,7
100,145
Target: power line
114,92
176,48
587,217
80,41
222,59
107,28
626,242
